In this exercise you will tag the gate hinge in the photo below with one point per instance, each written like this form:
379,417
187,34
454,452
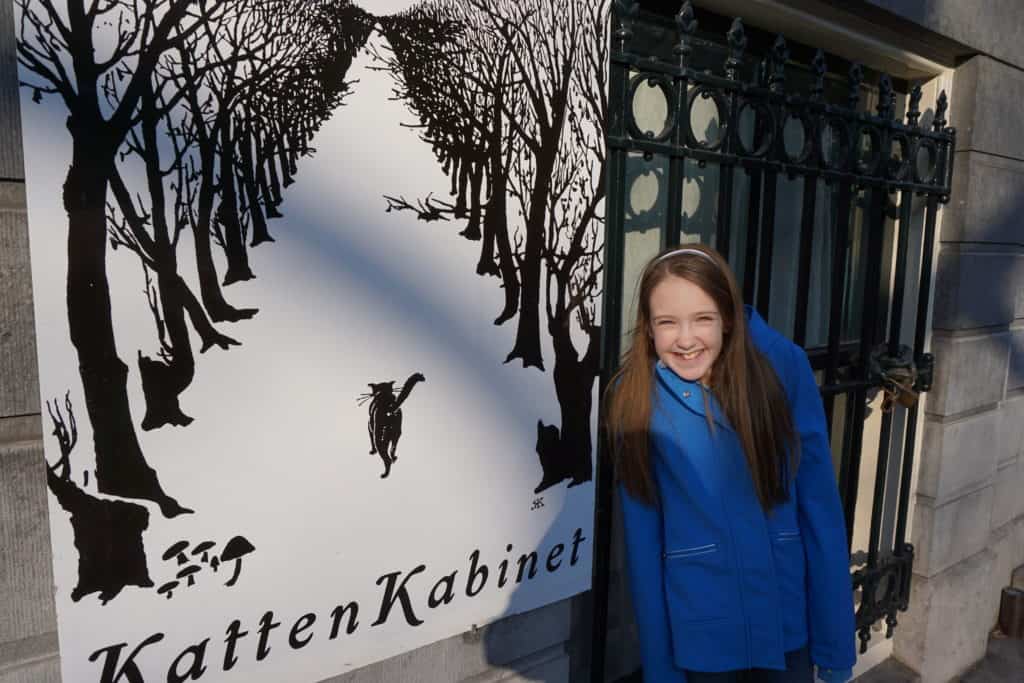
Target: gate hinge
925,372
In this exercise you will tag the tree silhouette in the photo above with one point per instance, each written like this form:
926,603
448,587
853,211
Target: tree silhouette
514,93
108,533
184,116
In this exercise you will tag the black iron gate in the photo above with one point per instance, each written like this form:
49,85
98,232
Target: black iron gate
738,117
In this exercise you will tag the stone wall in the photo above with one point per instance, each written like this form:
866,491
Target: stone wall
968,524
28,625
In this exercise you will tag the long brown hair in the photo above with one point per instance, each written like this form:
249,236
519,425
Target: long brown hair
742,380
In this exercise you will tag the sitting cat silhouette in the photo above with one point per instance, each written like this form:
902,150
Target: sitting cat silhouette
385,425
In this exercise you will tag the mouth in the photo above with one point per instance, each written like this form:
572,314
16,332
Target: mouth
691,355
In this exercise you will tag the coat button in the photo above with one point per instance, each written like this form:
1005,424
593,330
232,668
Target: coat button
686,394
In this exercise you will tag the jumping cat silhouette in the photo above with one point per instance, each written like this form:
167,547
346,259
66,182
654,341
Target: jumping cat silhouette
385,425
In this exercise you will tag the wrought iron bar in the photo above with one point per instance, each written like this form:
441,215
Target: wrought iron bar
777,84
803,280
835,324
624,13
737,40
686,24
874,229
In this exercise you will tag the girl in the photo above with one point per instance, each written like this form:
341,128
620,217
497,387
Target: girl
734,531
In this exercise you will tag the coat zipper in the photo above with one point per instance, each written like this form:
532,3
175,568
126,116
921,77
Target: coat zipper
691,552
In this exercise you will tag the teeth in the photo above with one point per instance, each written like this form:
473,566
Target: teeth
691,355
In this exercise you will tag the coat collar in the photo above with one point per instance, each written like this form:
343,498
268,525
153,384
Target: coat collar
689,394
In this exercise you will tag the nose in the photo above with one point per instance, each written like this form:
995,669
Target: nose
685,338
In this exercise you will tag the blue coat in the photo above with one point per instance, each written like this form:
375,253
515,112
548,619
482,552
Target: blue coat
717,585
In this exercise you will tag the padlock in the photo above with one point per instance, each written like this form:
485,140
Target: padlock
907,397
898,384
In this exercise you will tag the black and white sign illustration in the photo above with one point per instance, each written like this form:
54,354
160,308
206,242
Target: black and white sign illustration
385,423
249,221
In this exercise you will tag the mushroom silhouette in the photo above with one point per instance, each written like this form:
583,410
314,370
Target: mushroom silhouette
167,588
179,550
204,548
215,562
235,549
189,572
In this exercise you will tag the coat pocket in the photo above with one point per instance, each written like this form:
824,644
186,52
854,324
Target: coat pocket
791,570
698,584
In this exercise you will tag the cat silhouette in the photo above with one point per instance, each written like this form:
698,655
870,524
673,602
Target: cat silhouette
385,424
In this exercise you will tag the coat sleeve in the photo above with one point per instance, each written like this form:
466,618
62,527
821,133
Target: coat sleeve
829,589
644,549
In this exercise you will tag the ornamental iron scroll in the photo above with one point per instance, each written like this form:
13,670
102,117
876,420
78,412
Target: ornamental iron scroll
768,96
765,113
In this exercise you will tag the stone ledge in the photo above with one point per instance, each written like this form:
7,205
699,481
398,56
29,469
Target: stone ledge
506,645
26,592
43,671
19,653
539,663
21,429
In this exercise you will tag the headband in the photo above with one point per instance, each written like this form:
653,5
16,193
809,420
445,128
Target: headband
677,252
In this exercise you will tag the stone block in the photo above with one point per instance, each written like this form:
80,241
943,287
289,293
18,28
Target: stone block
1008,503
973,289
1011,429
970,372
11,159
498,645
1004,541
373,673
958,456
42,671
19,375
26,573
1015,371
987,199
1018,287
21,428
556,669
945,535
19,653
986,94
946,628
999,30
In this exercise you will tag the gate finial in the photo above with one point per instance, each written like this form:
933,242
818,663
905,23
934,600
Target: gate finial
886,97
686,21
939,122
914,109
854,78
625,11
737,39
780,55
819,67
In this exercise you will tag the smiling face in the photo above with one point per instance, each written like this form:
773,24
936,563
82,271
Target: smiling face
686,328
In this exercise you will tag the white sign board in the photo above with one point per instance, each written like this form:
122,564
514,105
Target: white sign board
317,291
